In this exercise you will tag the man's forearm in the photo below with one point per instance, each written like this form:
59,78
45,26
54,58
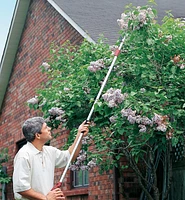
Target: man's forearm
71,148
32,195
83,128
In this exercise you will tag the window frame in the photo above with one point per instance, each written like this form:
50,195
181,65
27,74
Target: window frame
85,174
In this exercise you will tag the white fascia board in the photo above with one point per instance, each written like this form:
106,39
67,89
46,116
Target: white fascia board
75,25
11,45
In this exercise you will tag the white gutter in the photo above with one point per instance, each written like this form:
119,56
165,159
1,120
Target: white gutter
11,45
74,24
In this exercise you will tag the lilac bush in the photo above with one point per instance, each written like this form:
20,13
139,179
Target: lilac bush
141,113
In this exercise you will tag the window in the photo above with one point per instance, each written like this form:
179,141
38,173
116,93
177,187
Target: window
80,178
20,144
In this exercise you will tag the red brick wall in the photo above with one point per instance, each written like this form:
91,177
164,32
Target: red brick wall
44,25
101,187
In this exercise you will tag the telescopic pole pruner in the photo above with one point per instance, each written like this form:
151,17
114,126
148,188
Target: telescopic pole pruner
117,52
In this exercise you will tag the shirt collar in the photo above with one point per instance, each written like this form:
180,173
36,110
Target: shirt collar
33,148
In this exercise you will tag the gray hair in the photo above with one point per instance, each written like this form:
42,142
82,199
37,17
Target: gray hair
32,126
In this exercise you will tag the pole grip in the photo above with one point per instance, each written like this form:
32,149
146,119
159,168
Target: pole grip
57,185
117,52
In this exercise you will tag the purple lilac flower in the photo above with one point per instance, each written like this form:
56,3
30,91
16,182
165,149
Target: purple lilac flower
91,163
146,121
112,103
143,90
127,112
96,65
143,16
123,22
158,121
46,65
114,97
87,139
161,127
61,118
33,100
43,103
169,135
131,119
169,37
142,128
79,164
157,118
113,119
66,89
56,111
47,120
83,167
182,66
138,119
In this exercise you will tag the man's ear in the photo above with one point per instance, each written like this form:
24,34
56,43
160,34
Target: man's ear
37,135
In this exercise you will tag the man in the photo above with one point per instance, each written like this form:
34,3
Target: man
34,164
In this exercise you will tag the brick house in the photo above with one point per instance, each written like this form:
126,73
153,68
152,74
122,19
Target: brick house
35,25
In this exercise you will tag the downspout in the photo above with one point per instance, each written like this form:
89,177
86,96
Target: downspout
116,176
116,183
3,186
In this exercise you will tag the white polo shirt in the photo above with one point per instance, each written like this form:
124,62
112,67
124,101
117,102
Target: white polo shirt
35,169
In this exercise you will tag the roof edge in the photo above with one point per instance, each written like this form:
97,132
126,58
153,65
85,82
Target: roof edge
11,45
76,26
13,38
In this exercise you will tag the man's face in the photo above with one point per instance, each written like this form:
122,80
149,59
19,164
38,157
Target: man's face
45,133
